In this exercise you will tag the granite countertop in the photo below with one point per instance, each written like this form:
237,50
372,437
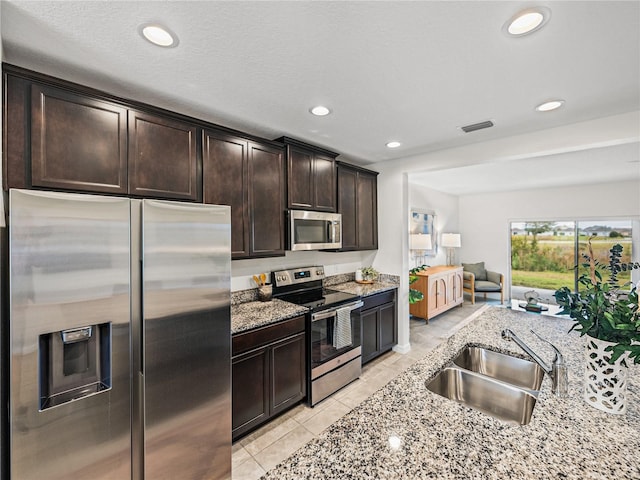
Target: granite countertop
442,439
362,289
250,315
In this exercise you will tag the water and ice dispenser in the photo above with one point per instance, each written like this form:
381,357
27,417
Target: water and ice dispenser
74,363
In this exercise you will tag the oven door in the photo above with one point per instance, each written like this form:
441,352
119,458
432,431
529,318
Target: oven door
314,230
333,333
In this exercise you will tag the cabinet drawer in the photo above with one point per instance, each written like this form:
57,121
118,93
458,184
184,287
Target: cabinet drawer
243,342
378,299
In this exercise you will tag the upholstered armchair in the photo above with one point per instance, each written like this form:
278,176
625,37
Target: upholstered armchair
476,279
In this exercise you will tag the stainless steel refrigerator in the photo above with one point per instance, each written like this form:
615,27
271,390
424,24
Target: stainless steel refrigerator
119,338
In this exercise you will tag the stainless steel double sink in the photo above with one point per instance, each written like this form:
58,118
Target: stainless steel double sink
499,385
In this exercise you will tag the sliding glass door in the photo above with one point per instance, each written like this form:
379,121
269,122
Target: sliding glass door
605,235
544,253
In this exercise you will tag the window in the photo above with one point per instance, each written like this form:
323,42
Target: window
544,253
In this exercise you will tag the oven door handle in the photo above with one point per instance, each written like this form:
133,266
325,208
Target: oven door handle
332,312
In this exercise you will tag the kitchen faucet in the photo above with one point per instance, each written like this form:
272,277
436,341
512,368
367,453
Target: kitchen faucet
558,370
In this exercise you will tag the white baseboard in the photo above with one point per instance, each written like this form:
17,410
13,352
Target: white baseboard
403,349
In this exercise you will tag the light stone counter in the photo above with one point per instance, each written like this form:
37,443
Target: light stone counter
364,289
250,315
441,439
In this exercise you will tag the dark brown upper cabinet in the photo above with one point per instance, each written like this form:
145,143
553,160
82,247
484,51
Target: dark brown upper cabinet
358,204
249,177
311,176
163,159
70,137
224,166
266,200
77,142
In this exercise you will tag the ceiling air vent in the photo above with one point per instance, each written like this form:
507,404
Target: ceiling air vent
477,126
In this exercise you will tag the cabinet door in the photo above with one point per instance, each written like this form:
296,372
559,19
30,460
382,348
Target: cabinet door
224,168
358,204
432,296
367,212
162,157
388,336
250,390
370,326
77,142
455,287
442,288
347,201
17,105
419,309
324,183
288,378
266,200
300,178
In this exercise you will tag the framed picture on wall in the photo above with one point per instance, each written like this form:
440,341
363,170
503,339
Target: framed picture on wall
423,222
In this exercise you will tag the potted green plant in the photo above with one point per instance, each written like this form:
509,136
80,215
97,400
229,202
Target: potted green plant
369,274
609,316
415,296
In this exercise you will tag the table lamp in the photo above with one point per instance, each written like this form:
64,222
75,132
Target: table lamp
450,241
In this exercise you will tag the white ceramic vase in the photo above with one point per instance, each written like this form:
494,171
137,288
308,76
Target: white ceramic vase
605,384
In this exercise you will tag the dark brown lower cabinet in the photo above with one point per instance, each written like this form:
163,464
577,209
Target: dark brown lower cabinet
250,392
287,371
267,373
379,319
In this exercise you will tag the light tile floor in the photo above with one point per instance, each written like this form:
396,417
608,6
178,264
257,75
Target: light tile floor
263,449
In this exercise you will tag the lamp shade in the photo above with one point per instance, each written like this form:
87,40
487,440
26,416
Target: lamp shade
419,241
451,240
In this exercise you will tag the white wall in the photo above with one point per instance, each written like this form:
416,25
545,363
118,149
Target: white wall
393,190
485,218
446,209
393,250
334,263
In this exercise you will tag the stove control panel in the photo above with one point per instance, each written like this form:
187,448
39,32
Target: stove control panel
297,275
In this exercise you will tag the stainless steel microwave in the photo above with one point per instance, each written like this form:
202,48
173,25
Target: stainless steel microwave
314,230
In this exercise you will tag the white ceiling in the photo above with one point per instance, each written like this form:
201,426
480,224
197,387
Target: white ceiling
408,71
585,167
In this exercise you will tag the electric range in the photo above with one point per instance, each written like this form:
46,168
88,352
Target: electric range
333,329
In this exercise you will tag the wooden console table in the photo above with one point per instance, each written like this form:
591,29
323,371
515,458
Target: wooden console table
442,290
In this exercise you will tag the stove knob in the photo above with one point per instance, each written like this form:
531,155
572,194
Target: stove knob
319,272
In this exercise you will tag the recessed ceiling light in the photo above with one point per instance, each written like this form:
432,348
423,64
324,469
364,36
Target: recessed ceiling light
158,35
550,105
320,111
393,144
527,21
